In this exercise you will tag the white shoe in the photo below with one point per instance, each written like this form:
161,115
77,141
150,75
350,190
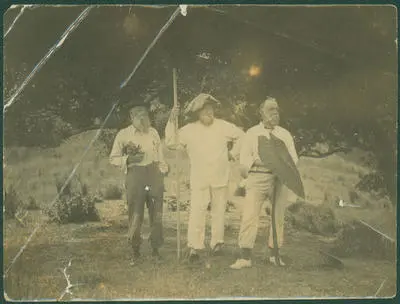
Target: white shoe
273,261
241,263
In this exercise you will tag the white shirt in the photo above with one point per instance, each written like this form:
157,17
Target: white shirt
150,144
249,146
207,149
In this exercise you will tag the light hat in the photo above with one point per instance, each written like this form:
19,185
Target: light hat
199,102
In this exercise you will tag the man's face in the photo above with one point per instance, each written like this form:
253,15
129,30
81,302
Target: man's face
206,115
141,121
270,114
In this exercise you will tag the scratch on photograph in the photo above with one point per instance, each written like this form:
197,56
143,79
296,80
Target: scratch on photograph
199,152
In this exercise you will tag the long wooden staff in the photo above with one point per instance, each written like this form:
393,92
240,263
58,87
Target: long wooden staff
273,222
177,173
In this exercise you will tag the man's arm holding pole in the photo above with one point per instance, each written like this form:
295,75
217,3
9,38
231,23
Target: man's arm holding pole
172,139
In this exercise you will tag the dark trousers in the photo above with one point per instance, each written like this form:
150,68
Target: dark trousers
145,185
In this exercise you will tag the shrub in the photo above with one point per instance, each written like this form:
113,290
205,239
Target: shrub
318,219
75,204
357,240
372,182
107,136
172,204
12,202
98,197
112,192
32,204
353,196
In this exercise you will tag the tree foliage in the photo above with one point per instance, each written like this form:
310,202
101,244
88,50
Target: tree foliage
336,83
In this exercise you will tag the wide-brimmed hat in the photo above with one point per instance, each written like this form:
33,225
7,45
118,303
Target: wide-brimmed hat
199,102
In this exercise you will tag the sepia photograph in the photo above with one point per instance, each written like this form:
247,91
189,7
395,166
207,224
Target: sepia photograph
199,152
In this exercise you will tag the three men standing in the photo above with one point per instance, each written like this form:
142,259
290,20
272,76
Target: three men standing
137,149
206,142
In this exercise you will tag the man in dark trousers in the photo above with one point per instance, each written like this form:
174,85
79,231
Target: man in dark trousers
138,152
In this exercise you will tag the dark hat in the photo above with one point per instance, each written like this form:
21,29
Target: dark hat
138,111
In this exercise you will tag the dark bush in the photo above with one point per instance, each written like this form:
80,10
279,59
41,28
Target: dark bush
372,182
75,204
173,205
107,136
318,219
358,240
112,192
12,202
32,204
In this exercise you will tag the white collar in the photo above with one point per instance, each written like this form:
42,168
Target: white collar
203,125
136,131
264,128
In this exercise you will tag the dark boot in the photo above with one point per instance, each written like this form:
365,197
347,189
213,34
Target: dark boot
193,256
156,254
217,249
135,256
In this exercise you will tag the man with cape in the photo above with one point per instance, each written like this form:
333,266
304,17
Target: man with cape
268,158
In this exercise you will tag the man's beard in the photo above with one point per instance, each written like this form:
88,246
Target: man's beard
207,120
143,126
271,122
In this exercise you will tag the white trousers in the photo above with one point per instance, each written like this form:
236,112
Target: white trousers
259,189
199,200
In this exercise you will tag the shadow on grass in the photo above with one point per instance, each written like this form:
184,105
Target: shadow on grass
100,262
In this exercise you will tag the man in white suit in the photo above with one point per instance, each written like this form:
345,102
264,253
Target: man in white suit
206,142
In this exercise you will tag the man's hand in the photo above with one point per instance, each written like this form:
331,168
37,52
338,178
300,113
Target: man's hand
137,158
164,168
134,152
258,162
175,112
244,173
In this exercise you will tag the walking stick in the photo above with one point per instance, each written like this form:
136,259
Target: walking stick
177,176
273,223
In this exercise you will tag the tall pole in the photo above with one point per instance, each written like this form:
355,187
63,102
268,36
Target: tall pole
177,173
273,223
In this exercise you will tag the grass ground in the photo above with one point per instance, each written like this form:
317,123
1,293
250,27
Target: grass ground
100,253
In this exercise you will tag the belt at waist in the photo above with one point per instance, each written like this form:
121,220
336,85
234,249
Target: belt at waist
262,172
260,169
135,165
